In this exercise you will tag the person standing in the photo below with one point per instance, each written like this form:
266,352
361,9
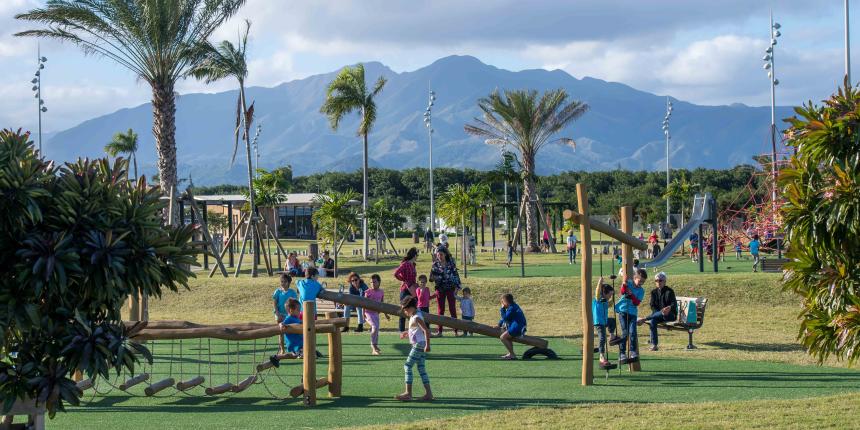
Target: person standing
664,307
444,274
571,247
652,240
428,240
755,244
406,274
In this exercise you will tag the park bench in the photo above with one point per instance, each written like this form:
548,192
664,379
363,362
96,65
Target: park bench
773,265
681,323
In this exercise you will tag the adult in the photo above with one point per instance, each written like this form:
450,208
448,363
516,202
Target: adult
664,307
444,274
327,265
755,244
293,265
406,274
357,287
652,240
428,240
571,247
513,321
443,243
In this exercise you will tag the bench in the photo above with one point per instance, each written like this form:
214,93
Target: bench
680,324
773,265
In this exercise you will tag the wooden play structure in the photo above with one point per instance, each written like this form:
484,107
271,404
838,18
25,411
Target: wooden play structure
586,224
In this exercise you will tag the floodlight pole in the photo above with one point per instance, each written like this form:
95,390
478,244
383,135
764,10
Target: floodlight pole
428,122
847,46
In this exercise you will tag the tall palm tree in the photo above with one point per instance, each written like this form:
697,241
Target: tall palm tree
335,218
527,123
454,204
227,60
348,92
152,38
124,143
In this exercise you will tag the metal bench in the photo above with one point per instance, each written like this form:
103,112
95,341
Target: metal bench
681,323
773,265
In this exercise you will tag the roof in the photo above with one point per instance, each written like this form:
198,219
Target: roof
293,199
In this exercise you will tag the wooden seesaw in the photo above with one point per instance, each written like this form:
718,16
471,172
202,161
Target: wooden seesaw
539,346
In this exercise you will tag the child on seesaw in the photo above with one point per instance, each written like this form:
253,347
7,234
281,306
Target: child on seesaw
513,321
600,310
419,338
294,342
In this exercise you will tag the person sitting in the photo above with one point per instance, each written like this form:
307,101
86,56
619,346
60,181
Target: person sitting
514,323
327,266
293,265
664,307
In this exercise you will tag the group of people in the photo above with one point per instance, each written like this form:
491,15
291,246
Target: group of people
324,264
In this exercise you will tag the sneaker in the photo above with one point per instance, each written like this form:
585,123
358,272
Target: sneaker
605,365
634,356
622,359
319,354
274,360
596,350
615,340
653,348
360,328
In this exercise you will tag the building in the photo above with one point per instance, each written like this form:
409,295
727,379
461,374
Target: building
290,219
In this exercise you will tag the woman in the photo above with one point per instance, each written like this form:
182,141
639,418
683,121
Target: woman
406,274
444,274
293,265
513,321
652,240
357,287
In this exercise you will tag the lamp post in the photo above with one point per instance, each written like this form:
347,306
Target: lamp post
37,89
847,47
428,122
771,74
668,136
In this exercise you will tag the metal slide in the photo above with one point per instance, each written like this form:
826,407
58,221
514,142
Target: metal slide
702,212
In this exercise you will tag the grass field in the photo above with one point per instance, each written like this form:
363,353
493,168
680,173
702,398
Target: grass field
748,370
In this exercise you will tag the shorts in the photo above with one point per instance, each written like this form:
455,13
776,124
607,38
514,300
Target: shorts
515,330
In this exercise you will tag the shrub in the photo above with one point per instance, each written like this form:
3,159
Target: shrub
75,242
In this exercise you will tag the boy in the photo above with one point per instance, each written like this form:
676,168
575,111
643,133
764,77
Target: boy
755,244
279,299
510,253
294,342
309,287
571,247
632,294
467,307
423,294
600,311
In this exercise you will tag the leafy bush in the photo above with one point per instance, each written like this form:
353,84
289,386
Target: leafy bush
822,219
75,242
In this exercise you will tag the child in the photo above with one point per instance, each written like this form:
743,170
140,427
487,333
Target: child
600,310
376,294
514,322
419,338
467,307
295,342
510,252
738,249
279,299
357,287
423,294
632,294
755,244
309,287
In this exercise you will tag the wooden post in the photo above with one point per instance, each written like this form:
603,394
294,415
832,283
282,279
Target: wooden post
229,232
134,307
335,360
493,229
585,269
627,264
309,373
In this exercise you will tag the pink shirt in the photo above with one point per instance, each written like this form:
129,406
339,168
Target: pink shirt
375,295
423,297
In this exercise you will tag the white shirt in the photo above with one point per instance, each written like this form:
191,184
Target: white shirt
416,335
571,240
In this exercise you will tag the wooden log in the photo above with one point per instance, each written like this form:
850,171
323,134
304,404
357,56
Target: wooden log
606,229
131,382
585,275
430,319
220,389
627,264
266,365
189,384
85,384
335,362
297,391
242,386
159,386
321,382
309,369
226,333
180,324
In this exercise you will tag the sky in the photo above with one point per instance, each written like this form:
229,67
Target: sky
702,51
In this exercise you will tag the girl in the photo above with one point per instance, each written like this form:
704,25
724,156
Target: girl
405,273
513,321
444,274
423,295
419,338
293,265
376,294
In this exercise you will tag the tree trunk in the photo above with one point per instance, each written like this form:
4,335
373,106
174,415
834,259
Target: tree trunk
134,157
531,221
164,130
251,197
364,198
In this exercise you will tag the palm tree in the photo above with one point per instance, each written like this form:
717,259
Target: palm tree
454,204
153,39
348,92
335,218
680,190
527,123
124,143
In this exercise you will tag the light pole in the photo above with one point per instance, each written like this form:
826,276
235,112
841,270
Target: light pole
428,122
771,74
37,89
847,47
257,150
668,136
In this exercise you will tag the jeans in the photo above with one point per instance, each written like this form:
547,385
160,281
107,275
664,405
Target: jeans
347,313
628,328
755,261
452,304
654,319
571,255
601,333
401,323
465,318
416,356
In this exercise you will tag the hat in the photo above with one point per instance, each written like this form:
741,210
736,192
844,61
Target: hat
661,275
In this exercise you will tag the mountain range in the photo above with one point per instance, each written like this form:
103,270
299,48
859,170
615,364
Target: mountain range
622,128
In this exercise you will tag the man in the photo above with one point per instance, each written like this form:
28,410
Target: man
571,247
664,307
428,240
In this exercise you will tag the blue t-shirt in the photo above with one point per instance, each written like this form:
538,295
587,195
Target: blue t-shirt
754,245
294,342
600,311
625,305
281,297
308,289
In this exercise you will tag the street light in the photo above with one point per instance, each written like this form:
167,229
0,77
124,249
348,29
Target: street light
769,65
37,89
428,123
668,136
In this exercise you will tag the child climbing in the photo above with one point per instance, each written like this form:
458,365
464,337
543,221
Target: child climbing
294,342
600,310
376,294
279,300
467,307
419,338
632,294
